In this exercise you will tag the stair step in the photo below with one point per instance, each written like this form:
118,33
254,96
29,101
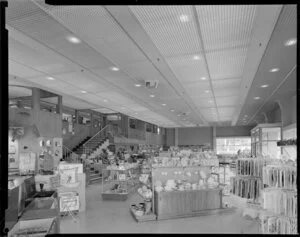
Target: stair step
96,179
94,176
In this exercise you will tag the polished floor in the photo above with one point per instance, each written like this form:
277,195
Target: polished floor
114,217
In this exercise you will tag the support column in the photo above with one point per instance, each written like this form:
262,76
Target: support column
176,137
35,101
76,116
59,107
214,138
287,108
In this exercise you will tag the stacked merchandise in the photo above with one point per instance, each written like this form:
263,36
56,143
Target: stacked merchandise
279,199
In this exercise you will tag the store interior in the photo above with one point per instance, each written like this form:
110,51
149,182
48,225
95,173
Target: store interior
151,119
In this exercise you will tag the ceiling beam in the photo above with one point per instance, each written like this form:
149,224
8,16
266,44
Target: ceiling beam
263,27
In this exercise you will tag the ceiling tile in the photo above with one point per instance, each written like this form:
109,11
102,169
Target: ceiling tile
227,101
169,34
227,63
22,71
226,26
186,69
227,83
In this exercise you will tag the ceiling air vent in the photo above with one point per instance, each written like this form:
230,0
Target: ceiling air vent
151,84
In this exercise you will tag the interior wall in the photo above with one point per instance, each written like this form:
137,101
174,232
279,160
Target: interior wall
154,139
294,109
236,131
170,135
81,132
195,136
36,124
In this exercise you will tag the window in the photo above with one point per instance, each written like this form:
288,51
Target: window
231,145
132,123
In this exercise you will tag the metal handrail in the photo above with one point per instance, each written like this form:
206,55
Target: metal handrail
96,135
70,156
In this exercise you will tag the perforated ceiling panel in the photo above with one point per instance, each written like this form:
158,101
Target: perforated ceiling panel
226,26
172,28
17,69
227,100
227,63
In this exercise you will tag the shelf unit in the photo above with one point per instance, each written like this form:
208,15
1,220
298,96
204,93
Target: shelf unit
264,138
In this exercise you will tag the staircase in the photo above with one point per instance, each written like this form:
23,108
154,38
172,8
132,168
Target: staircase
76,148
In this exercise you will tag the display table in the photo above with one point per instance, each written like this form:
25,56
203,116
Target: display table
187,203
80,189
42,208
39,227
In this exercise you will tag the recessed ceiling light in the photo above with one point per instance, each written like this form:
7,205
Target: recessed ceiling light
152,96
172,110
257,98
264,86
50,78
178,115
163,104
291,42
73,39
184,18
206,91
136,113
114,69
274,70
105,100
137,85
203,78
210,101
196,57
83,91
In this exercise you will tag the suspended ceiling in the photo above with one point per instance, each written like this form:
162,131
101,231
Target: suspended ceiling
210,61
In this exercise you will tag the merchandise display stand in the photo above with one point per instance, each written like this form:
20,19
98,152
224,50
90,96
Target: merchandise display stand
122,181
144,211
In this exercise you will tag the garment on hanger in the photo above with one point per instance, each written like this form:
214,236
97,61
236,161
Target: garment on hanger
247,187
279,225
280,177
280,202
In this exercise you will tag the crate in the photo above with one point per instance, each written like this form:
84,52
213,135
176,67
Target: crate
149,217
187,203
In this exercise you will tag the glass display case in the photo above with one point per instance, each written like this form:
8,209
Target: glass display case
264,138
289,132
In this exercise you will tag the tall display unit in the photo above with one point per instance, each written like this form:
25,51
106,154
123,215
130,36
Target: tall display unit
264,138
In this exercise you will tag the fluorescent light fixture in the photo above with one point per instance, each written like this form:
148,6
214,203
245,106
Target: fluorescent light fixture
83,91
291,42
137,85
50,78
152,96
264,86
203,78
114,69
274,70
163,104
257,98
184,18
73,40
196,57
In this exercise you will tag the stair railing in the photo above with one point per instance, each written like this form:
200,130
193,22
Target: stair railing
95,140
70,156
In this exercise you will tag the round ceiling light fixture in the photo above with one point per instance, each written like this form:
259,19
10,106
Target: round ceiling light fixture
105,100
137,85
114,69
172,110
73,39
184,18
50,78
206,91
196,57
203,78
264,86
163,104
152,96
274,70
291,42
257,98
83,92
